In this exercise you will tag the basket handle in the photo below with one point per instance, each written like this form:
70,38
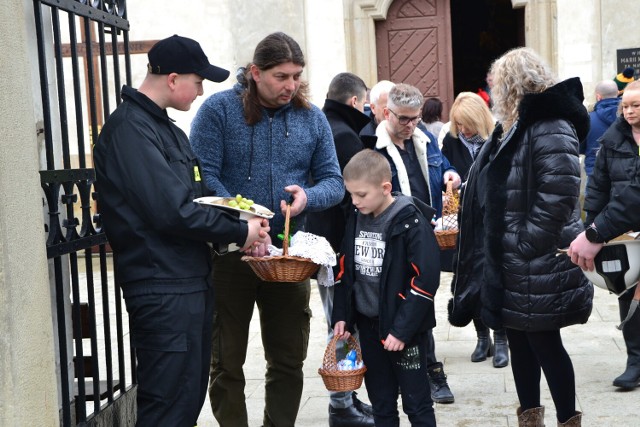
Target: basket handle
449,189
285,240
330,351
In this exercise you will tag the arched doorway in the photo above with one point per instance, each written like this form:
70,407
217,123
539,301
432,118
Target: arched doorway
481,31
445,47
413,45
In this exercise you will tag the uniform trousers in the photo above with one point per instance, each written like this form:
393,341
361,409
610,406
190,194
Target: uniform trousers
171,334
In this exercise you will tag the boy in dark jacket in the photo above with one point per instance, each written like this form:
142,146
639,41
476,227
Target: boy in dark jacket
389,274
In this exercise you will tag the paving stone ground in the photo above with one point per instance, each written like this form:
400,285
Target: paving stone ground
485,396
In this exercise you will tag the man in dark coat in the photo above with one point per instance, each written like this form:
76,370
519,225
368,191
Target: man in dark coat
604,113
344,108
148,178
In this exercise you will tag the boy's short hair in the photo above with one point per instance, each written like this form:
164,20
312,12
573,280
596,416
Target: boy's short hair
368,165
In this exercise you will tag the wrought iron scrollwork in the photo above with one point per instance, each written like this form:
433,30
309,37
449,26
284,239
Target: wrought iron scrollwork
59,187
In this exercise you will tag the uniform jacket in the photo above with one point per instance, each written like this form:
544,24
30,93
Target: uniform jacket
295,146
617,165
147,178
531,210
410,275
603,115
432,163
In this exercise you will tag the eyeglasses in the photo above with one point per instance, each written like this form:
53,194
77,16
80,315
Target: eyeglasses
404,120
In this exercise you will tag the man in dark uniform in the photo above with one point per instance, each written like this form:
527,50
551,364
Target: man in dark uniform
147,179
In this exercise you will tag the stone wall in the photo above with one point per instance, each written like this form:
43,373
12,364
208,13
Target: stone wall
28,385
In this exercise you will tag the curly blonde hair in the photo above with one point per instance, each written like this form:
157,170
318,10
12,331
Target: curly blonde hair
470,110
517,73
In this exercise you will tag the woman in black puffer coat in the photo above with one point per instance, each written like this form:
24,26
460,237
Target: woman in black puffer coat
519,206
617,165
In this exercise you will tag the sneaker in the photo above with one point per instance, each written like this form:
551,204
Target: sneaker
440,391
360,405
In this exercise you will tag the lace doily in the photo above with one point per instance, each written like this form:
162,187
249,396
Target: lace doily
317,249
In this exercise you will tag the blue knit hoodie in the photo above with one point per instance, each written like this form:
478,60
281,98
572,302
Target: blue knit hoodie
295,146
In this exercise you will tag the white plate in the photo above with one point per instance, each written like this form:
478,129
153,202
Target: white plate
254,210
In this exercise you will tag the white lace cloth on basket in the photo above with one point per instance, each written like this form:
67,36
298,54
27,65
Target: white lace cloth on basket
317,249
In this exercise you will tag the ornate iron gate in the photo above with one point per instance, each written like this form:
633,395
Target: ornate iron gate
83,45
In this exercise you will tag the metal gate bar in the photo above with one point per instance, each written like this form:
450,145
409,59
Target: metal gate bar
74,230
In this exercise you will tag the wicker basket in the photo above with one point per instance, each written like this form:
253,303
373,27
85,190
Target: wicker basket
335,380
447,237
282,268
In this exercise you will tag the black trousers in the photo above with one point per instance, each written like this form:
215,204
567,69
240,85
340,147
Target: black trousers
172,337
533,353
388,370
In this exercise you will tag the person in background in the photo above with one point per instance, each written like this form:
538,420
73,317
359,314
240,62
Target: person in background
485,92
147,179
377,102
520,205
611,207
406,147
624,78
603,115
432,115
344,110
471,126
386,285
263,139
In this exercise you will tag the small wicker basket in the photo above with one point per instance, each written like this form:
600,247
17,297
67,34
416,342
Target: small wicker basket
283,268
336,380
449,234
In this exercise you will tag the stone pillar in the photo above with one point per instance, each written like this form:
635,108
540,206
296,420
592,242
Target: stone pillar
28,385
541,28
359,16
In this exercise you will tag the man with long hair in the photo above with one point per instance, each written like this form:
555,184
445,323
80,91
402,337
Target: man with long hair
263,139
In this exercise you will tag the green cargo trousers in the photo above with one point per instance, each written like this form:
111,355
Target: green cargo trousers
284,323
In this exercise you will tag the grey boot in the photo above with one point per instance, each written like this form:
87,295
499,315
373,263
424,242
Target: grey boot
630,378
533,417
575,421
501,353
484,347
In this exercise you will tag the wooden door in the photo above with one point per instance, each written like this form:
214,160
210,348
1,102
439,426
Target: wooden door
414,46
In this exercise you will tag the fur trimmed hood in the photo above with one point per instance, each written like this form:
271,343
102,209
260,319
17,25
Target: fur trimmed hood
561,101
531,208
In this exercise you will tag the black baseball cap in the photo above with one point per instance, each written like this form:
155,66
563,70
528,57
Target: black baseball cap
183,55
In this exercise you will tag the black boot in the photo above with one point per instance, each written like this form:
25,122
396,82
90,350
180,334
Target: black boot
440,391
484,348
349,417
501,351
630,378
360,405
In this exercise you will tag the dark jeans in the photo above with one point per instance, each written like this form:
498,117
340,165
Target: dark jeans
172,337
284,323
388,370
533,352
